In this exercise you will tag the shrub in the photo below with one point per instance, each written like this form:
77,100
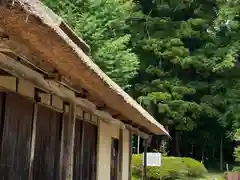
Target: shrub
173,168
236,169
194,167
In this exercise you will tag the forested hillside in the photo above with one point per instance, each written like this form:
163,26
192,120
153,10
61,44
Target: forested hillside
178,58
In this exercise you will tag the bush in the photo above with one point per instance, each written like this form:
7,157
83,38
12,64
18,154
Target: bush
194,167
236,169
173,168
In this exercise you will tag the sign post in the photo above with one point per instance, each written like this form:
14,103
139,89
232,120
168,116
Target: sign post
151,160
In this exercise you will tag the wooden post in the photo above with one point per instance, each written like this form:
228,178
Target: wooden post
33,141
138,144
130,156
68,141
62,146
120,154
144,174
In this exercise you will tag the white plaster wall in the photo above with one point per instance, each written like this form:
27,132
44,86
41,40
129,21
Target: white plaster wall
125,160
26,88
57,102
106,132
8,82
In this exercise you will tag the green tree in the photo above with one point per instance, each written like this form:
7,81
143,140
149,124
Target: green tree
188,75
237,149
106,31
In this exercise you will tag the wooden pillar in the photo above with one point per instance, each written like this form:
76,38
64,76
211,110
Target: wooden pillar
221,154
144,176
33,141
120,154
68,135
130,156
62,145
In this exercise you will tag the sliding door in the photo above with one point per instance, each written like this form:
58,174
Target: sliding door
47,147
16,125
85,151
89,151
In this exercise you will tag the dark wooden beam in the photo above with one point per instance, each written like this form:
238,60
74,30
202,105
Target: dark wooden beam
82,93
53,76
101,107
117,116
120,155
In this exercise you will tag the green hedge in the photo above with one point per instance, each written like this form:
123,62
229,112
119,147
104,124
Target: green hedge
172,168
194,167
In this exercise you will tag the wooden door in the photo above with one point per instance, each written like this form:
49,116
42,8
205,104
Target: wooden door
48,143
89,151
16,129
85,151
114,159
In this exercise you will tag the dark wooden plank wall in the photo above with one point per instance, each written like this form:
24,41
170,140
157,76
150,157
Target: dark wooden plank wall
16,137
77,168
64,143
85,151
89,151
3,168
2,113
47,145
16,118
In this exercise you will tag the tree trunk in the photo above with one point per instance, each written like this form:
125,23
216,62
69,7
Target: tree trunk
177,141
155,143
221,154
203,149
213,152
192,151
174,146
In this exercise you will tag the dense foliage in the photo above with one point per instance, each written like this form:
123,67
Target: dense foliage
237,149
105,31
186,80
178,58
172,168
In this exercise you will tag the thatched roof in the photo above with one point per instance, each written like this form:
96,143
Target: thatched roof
47,40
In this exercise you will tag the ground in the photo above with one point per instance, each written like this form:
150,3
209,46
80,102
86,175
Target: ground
212,176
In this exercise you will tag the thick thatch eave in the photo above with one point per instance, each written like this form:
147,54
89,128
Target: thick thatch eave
28,22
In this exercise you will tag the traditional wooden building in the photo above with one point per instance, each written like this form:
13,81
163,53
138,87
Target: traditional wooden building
61,117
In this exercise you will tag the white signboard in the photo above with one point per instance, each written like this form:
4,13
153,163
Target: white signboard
153,159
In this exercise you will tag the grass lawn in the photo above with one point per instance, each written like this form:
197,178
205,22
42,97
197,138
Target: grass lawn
211,176
214,174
